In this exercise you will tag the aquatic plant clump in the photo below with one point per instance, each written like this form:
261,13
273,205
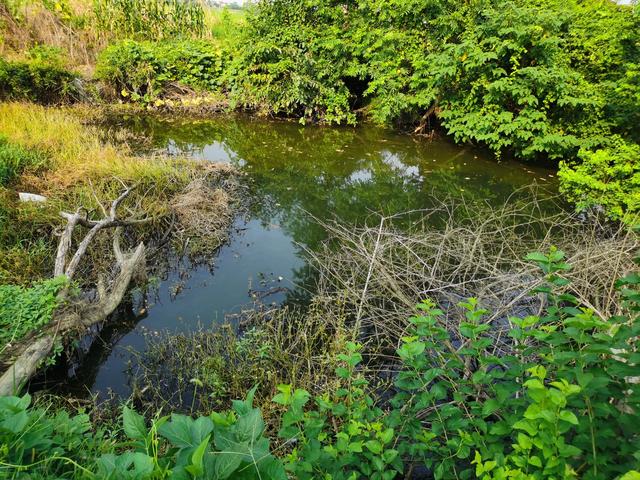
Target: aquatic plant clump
202,371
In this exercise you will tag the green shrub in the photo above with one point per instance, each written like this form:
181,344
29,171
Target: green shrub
39,80
607,177
25,309
143,71
14,159
294,61
507,83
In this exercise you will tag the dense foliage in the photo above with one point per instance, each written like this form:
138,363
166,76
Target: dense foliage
26,309
506,60
40,78
550,403
145,71
546,79
607,178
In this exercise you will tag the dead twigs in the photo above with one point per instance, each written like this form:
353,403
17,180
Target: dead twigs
460,250
29,355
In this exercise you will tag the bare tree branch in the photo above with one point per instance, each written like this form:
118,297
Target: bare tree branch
87,313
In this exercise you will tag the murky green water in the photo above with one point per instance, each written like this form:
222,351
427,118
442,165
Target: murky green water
296,173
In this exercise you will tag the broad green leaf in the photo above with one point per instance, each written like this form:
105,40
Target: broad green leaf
134,425
568,416
250,426
221,465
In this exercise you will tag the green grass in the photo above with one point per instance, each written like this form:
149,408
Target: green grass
14,159
224,24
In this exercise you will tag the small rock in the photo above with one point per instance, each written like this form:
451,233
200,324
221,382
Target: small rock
31,197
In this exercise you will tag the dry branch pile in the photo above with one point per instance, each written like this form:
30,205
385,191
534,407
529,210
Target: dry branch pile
457,251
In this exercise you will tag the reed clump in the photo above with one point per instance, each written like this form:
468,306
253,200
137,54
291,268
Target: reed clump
205,370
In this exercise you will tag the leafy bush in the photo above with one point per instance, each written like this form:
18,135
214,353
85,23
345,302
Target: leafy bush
39,79
156,19
23,310
508,83
294,62
143,71
14,159
607,177
230,445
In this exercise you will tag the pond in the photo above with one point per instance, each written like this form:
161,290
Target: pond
297,176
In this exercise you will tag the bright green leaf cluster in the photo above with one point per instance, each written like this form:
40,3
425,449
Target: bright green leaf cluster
25,309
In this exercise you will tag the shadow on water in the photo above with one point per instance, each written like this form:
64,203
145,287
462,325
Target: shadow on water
297,175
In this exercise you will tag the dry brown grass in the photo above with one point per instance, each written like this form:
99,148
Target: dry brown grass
34,24
202,210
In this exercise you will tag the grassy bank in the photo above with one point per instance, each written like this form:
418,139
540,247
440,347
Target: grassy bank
52,152
75,167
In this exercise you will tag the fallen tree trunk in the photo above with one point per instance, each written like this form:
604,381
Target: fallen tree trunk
29,356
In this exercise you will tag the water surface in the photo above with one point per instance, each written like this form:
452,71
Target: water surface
297,175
